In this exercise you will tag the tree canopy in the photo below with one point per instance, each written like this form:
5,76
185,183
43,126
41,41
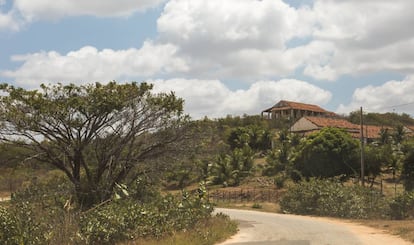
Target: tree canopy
97,134
408,171
327,153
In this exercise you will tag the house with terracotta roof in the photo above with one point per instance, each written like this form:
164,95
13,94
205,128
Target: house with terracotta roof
373,132
308,125
409,130
294,110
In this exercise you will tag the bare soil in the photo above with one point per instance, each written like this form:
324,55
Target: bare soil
401,228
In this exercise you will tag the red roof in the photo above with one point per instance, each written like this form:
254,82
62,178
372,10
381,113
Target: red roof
332,122
370,132
410,127
285,105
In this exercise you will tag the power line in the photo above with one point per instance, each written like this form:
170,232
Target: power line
368,109
393,106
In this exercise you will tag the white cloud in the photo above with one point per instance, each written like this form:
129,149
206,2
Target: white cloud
8,21
245,40
24,12
391,96
366,36
232,38
226,39
54,9
213,99
89,64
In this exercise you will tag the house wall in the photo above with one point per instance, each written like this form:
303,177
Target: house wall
303,125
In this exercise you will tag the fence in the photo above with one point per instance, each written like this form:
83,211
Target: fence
244,195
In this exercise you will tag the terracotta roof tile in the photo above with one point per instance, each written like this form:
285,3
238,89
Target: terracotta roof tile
302,106
332,122
410,127
370,131
285,105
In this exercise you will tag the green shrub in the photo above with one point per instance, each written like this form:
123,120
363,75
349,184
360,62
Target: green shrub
42,214
231,169
279,180
37,215
50,202
128,220
328,153
402,206
331,198
8,228
408,171
21,225
257,206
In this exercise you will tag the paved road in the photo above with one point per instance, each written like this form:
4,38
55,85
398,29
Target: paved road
259,228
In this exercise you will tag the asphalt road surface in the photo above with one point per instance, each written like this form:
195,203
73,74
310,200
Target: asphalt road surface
259,228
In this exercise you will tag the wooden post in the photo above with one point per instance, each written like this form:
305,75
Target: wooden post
362,150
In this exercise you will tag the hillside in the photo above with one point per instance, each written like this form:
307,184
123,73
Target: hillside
381,119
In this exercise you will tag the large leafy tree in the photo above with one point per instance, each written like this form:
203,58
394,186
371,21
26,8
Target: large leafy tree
327,153
98,135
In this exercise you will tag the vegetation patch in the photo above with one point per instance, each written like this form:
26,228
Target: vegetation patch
207,232
30,219
331,198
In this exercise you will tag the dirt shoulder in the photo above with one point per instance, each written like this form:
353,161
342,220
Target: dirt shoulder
376,231
401,228
4,196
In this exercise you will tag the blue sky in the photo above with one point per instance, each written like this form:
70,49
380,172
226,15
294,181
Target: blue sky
223,57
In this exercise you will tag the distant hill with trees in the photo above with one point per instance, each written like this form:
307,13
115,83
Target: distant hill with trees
382,119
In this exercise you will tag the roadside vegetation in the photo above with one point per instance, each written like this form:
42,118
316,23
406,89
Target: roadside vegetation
84,163
117,164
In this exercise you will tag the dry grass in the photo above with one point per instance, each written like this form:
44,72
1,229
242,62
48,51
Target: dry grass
264,207
4,194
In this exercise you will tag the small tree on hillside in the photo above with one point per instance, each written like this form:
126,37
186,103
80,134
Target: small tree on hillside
231,169
375,159
279,158
330,152
384,136
399,134
408,172
96,134
254,136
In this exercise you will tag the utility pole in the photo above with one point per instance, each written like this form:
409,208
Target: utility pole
362,149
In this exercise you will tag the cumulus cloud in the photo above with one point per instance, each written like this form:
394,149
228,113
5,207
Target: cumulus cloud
365,36
8,20
213,99
246,40
89,64
232,37
227,39
24,12
391,96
